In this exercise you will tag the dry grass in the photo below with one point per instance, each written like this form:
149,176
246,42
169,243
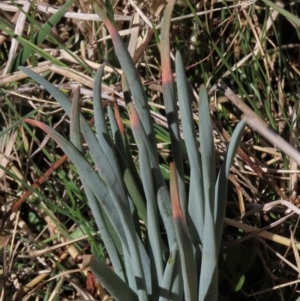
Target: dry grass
248,46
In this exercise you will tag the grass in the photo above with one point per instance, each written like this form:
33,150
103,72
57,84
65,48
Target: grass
254,50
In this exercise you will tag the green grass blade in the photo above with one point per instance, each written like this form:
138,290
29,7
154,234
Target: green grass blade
225,62
196,195
43,32
118,289
284,12
170,102
222,181
184,242
31,46
14,125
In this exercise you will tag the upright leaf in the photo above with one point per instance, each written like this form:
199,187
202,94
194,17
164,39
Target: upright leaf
188,265
208,286
171,103
222,181
196,193
163,197
131,74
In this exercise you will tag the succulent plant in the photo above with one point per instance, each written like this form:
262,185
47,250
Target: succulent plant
184,265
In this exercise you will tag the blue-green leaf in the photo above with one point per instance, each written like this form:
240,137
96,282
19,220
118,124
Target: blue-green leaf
208,286
118,289
196,193
222,181
171,103
188,265
166,283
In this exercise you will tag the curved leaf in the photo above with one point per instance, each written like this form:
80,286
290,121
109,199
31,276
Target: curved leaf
222,181
124,226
